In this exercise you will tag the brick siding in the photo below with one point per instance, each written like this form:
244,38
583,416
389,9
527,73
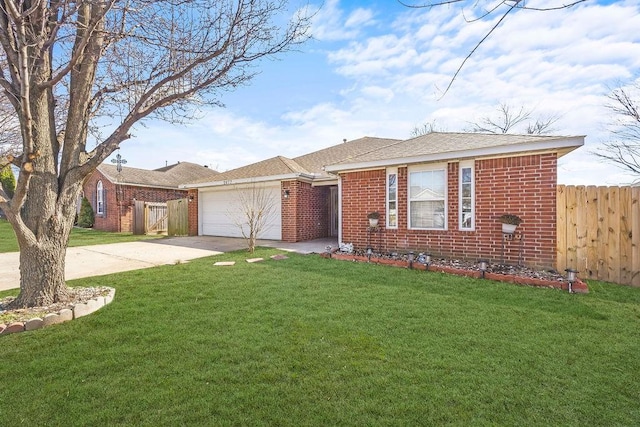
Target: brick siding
193,212
523,185
305,212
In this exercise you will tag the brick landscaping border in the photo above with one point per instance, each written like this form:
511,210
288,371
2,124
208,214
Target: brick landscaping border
578,287
64,315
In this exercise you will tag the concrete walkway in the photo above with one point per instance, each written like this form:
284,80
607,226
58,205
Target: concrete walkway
88,261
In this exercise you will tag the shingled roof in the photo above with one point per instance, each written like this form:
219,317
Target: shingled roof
376,152
275,166
171,176
440,146
316,161
310,165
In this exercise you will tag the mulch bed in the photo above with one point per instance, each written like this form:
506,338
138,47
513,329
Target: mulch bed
517,274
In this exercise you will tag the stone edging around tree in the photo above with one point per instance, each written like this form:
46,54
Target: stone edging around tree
64,315
578,287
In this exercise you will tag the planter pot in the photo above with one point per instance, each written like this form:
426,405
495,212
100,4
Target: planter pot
508,228
373,222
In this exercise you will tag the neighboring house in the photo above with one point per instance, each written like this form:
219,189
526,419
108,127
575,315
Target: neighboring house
440,193
112,193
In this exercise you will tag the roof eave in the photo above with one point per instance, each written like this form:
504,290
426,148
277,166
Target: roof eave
325,181
561,146
161,187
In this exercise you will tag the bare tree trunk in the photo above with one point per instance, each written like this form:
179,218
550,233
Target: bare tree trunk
42,283
42,253
44,222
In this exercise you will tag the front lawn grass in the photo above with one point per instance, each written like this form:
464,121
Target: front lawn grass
313,342
79,237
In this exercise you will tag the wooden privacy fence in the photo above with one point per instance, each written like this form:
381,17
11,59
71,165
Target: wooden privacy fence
598,232
170,218
178,217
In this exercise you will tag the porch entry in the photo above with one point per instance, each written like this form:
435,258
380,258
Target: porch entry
161,217
333,211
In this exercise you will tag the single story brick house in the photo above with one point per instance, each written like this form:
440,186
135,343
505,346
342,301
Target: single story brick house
112,193
440,193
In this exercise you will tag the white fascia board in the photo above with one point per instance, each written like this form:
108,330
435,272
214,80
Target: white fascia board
249,180
325,182
569,143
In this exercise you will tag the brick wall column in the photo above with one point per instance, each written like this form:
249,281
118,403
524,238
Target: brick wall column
192,197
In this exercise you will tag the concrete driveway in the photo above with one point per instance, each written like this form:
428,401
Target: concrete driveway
87,261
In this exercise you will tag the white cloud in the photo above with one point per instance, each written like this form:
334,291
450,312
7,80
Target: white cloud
378,92
359,17
331,24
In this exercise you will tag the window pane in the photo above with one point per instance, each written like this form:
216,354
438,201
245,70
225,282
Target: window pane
466,220
392,218
392,198
392,214
466,175
428,214
427,185
466,198
99,198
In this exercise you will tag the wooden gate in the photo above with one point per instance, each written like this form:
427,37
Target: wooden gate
178,217
156,218
170,218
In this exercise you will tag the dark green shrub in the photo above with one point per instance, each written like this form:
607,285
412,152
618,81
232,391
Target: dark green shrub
86,215
7,180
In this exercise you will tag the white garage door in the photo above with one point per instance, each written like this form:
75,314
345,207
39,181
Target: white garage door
221,210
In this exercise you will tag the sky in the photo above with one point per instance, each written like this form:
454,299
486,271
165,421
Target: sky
377,68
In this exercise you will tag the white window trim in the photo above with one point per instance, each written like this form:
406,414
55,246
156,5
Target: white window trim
391,171
465,165
426,168
99,198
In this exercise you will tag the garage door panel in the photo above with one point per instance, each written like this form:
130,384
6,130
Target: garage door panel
223,211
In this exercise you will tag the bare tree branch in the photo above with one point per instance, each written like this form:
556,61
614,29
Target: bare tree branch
255,208
508,120
426,128
486,10
624,148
